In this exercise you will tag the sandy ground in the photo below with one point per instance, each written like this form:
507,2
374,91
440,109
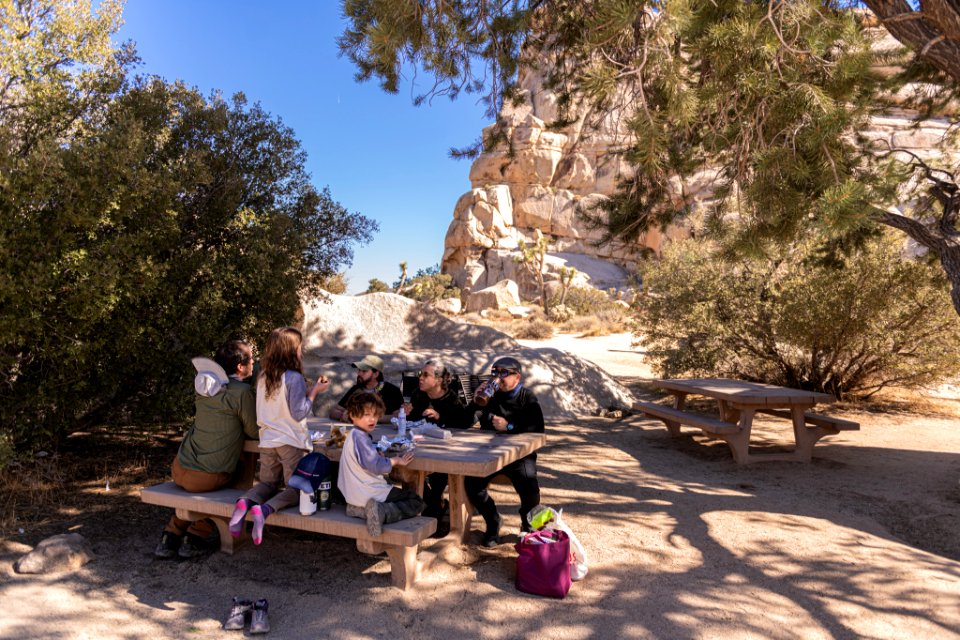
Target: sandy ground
682,543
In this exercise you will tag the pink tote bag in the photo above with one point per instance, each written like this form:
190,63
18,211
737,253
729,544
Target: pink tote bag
543,563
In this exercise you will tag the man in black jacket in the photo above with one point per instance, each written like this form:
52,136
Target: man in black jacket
512,409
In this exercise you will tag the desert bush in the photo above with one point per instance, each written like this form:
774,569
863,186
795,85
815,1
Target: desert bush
336,284
535,329
583,301
559,313
429,285
852,326
376,285
580,324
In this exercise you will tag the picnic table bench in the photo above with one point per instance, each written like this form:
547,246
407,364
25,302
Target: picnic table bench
739,401
399,540
470,452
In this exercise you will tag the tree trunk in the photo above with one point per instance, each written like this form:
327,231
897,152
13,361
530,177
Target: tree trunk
934,32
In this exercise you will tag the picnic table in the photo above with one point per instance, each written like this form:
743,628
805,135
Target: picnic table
469,452
739,401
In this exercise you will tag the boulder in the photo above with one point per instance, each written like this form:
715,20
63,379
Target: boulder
64,552
519,312
450,306
502,295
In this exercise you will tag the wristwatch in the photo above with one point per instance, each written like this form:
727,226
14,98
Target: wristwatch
509,426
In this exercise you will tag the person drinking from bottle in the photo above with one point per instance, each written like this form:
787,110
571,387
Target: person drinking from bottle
511,410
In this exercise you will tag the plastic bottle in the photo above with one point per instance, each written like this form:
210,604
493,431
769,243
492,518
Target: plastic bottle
402,422
308,503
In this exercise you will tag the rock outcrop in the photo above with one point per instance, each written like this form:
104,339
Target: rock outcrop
339,330
538,184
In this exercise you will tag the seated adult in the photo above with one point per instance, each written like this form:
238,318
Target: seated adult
370,380
434,402
513,409
208,456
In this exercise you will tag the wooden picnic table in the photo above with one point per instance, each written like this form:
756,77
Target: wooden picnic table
739,401
469,452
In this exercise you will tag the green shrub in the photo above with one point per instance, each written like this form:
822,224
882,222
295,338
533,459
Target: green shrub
141,236
429,285
873,320
584,301
376,285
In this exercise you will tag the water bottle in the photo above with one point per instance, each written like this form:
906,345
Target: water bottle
308,503
402,422
323,493
485,391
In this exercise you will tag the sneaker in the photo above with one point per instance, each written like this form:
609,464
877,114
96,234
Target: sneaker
491,537
239,615
194,546
168,545
374,513
259,623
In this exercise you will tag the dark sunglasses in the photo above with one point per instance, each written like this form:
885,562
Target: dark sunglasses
424,374
503,372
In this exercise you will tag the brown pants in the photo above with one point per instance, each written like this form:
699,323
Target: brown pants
194,482
277,464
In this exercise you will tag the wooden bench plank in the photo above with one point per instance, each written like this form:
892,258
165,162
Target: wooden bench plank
335,521
668,414
399,540
818,420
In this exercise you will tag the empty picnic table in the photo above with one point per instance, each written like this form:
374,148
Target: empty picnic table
739,401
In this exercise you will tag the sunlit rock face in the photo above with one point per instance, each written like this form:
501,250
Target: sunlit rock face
536,183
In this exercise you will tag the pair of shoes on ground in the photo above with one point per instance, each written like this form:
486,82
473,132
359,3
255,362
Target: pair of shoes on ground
491,537
187,546
246,612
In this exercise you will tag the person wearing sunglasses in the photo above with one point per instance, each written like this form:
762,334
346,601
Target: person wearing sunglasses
434,402
512,409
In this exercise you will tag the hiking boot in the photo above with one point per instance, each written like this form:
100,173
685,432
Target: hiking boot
356,512
259,623
195,546
168,545
491,537
374,514
239,615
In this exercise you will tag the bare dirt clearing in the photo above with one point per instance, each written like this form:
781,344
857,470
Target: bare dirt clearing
682,543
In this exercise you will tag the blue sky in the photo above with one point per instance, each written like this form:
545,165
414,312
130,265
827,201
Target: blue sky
380,155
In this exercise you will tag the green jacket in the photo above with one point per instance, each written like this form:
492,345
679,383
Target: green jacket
215,441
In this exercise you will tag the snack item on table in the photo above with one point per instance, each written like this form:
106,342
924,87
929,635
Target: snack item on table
337,437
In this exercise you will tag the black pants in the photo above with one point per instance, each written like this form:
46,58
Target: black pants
523,475
433,494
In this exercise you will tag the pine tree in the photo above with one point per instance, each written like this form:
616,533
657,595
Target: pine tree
769,96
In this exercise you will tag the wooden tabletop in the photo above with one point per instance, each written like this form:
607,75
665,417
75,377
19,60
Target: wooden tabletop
469,452
747,393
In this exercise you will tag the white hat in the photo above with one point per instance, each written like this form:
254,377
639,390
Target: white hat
369,362
211,377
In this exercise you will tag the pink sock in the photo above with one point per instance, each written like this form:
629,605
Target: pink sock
258,518
236,520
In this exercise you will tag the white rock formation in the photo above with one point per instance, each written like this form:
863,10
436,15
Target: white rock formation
342,329
550,173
